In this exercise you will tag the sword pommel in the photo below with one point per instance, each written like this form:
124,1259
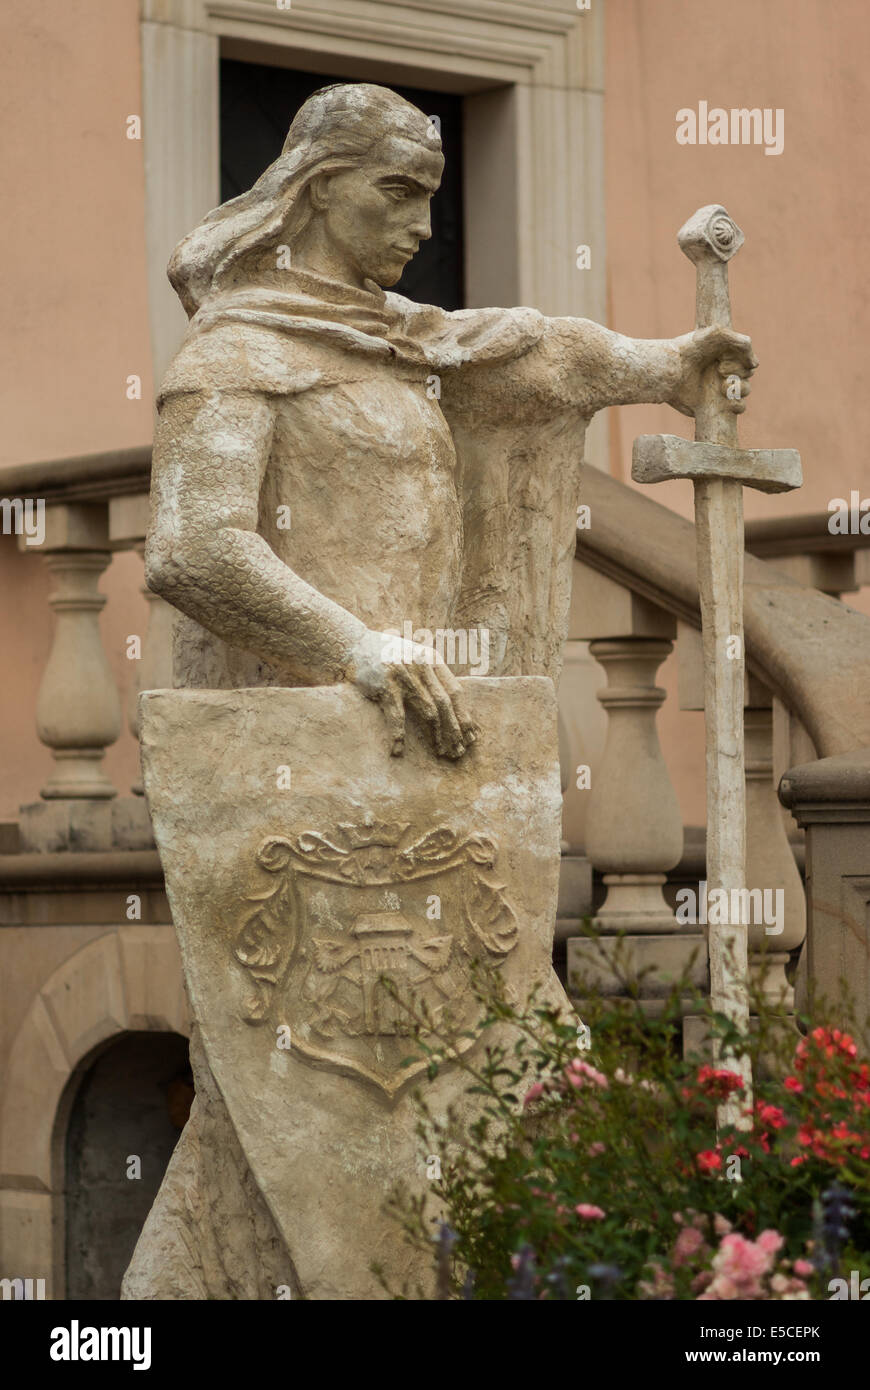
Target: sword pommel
710,235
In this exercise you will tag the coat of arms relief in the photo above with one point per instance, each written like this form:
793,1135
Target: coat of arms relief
368,931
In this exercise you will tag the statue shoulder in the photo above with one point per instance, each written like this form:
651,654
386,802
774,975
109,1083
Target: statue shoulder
456,338
530,365
246,358
568,366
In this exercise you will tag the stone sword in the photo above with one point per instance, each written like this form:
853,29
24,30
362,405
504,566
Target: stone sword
720,469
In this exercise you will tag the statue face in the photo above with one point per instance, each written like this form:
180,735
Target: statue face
375,217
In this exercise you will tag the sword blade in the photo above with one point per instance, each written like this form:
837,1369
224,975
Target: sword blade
719,532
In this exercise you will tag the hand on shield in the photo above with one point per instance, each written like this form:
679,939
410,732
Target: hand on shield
400,675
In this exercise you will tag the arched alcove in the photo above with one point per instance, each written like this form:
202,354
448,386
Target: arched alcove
125,1118
127,981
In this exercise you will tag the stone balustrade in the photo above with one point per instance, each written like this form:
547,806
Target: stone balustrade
771,868
634,828
804,548
94,506
830,798
809,669
808,659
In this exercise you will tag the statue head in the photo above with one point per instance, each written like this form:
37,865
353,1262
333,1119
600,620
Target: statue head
349,195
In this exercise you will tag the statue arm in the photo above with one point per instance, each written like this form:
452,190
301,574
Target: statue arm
204,554
590,366
567,361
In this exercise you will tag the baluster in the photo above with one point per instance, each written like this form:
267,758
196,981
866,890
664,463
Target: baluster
77,710
584,729
770,861
128,523
634,831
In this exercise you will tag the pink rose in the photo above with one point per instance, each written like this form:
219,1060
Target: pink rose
721,1287
688,1243
589,1212
770,1242
577,1072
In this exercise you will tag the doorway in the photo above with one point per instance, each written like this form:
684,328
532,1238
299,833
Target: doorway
125,1120
257,104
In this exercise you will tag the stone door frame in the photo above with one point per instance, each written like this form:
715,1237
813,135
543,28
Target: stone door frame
533,78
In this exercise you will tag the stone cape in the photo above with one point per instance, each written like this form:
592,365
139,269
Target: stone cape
290,906
517,419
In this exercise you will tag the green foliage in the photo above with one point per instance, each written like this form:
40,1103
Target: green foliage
601,1173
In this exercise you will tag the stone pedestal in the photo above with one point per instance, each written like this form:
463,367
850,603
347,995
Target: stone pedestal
648,965
47,827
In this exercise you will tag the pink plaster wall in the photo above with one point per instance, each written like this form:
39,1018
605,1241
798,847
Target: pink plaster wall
72,241
800,285
74,320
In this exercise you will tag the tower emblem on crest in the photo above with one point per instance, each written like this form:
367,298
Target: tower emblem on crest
366,932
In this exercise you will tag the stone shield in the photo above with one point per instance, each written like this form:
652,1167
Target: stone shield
334,905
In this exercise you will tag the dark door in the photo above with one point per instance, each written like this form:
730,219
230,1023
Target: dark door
128,1113
257,105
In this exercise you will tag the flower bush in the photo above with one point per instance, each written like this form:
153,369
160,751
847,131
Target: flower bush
602,1173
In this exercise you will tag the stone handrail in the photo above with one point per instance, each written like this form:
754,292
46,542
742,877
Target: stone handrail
83,478
812,651
802,534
